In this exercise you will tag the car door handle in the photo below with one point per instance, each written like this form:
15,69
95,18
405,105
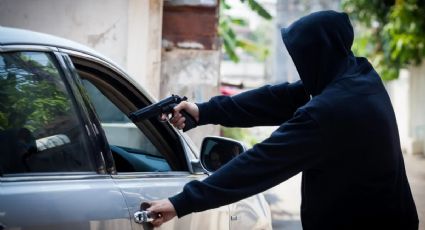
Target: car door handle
144,216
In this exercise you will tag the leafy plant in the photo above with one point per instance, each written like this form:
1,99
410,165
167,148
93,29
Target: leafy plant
231,41
392,33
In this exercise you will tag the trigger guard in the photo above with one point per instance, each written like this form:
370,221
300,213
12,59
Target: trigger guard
167,118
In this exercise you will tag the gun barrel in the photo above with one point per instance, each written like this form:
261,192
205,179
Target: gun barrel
164,106
145,113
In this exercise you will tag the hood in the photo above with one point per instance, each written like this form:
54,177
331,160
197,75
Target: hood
320,47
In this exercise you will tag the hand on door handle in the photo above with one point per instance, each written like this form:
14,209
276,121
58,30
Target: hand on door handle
164,208
144,216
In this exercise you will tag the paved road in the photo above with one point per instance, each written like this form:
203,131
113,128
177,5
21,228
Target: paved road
285,199
415,166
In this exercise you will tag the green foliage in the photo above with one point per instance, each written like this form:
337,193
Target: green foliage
239,134
231,41
256,7
407,32
392,33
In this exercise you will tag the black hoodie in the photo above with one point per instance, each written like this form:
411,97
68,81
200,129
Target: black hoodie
344,140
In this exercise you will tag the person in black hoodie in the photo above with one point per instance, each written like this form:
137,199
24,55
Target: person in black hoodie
337,127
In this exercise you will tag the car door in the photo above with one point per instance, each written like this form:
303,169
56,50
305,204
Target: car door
151,160
52,171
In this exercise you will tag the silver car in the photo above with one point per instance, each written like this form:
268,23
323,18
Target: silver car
71,159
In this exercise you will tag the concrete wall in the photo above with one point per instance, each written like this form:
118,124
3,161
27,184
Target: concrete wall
417,108
127,31
194,74
408,97
191,55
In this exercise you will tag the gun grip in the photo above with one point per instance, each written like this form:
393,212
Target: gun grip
190,122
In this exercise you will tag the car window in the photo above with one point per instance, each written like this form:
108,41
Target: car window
131,148
40,130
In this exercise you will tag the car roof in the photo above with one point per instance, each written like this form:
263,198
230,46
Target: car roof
21,37
15,36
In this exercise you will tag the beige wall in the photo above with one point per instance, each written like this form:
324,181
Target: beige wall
127,31
194,74
408,97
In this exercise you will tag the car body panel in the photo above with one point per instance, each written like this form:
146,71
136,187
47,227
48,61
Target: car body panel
250,213
105,200
144,187
62,202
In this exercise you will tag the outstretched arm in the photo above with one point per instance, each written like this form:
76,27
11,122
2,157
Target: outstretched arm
267,105
294,147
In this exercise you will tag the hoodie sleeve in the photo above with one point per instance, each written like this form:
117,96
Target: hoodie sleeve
295,146
267,105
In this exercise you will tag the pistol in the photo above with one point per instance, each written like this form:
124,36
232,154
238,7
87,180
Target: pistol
165,106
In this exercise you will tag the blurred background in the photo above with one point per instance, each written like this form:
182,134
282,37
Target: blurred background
202,48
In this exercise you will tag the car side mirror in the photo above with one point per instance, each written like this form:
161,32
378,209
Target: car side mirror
217,151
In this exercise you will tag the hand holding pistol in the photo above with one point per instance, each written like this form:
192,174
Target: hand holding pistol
165,106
